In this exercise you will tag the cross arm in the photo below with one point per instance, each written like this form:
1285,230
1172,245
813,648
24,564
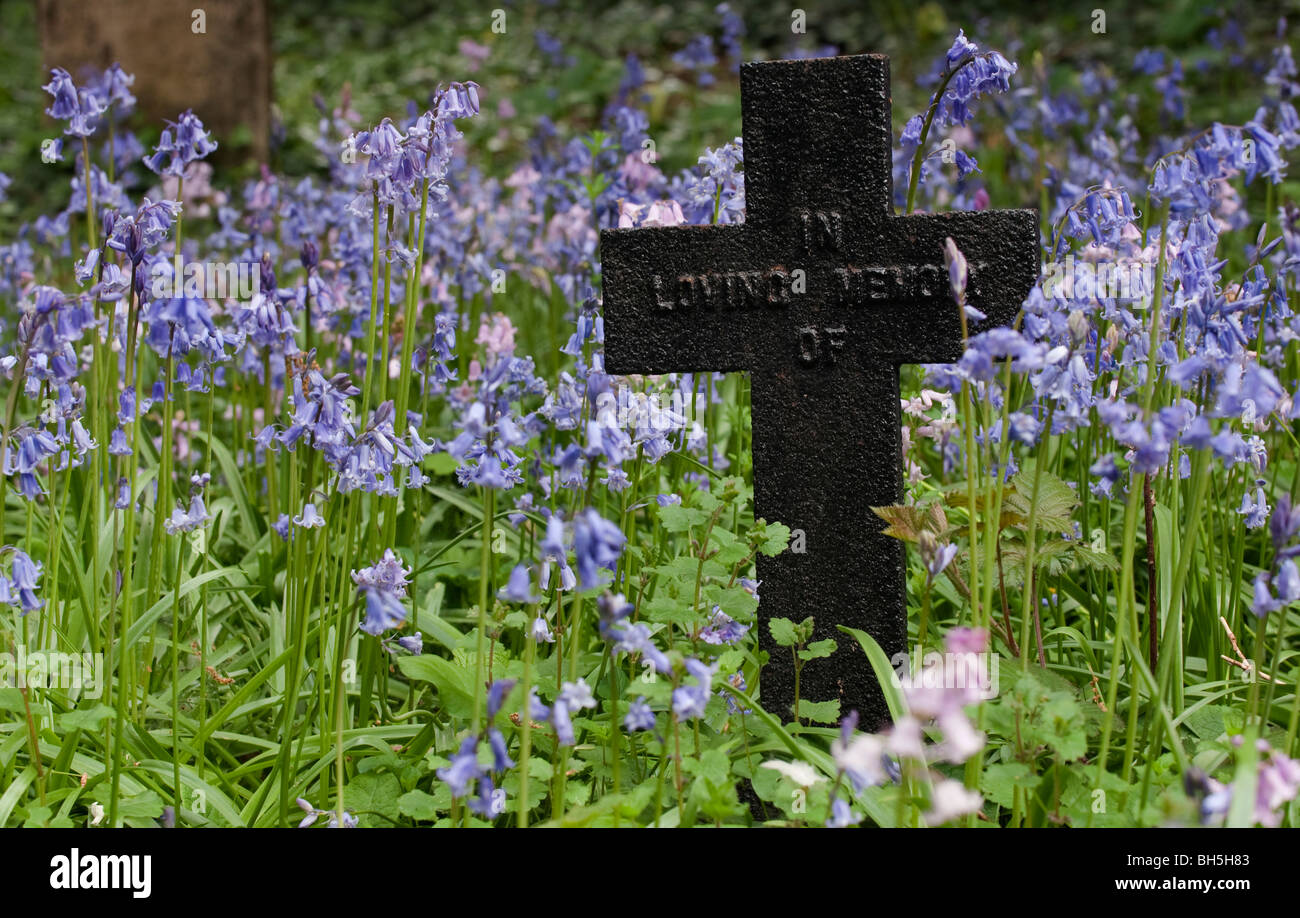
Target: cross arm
684,299
1002,255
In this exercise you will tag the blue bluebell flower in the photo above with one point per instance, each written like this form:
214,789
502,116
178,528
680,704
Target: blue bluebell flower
639,716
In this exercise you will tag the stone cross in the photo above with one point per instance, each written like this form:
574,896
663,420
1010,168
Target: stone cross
820,295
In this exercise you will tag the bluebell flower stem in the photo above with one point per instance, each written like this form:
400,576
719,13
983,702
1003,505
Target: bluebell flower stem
388,312
485,561
526,724
1028,596
919,156
178,795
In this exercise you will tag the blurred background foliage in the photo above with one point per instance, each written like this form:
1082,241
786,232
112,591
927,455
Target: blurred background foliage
394,53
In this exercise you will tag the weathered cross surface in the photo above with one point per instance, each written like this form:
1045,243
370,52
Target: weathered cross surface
820,294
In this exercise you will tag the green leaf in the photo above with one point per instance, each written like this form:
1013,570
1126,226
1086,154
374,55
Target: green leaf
434,626
454,683
713,765
666,609
776,538
1000,780
680,570
1097,560
818,650
145,805
677,518
11,699
1052,504
418,805
784,632
370,794
86,719
736,601
820,712
730,554
885,674
442,463
1206,723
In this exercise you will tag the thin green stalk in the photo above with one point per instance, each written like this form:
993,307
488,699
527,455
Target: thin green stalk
484,578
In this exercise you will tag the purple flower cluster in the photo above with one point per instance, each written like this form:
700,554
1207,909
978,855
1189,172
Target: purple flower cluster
19,589
384,586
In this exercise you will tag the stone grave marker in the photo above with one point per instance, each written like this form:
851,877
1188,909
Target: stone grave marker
820,295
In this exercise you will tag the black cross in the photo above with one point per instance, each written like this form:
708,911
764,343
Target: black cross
820,294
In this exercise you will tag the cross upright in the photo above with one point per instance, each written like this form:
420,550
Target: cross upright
820,294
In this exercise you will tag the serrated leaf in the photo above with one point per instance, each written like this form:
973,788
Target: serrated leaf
1000,780
680,570
1097,560
713,765
666,609
820,712
706,501
1051,504
736,601
676,518
905,522
776,539
784,632
732,554
818,650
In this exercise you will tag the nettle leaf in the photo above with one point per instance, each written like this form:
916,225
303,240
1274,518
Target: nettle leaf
1054,505
905,522
784,632
818,650
1206,723
1097,560
820,712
